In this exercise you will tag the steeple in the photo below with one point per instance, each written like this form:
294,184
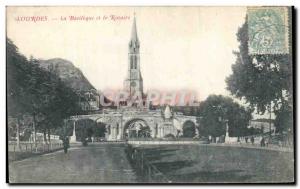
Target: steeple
134,44
134,36
134,81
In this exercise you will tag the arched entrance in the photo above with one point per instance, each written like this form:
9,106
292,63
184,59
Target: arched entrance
189,129
136,128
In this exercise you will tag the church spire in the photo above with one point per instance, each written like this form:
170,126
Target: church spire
134,44
134,82
134,37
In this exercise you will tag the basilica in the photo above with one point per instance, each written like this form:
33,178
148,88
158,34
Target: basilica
125,123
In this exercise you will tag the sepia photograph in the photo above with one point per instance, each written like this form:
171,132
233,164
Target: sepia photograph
150,94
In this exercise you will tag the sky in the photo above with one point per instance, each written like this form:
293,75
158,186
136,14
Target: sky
181,47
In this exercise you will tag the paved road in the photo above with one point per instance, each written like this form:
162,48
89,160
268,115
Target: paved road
102,163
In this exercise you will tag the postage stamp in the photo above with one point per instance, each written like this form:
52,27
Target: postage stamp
268,30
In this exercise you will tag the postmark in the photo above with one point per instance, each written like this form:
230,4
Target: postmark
268,29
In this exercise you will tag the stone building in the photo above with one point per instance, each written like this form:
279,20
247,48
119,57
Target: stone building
135,122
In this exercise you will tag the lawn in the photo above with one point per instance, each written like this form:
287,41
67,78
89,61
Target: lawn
218,164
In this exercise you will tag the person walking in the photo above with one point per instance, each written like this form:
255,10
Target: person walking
262,142
252,140
66,144
267,140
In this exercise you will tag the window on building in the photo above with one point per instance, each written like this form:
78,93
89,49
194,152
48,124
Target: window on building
131,62
135,61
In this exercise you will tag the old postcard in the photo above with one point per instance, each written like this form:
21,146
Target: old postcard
150,94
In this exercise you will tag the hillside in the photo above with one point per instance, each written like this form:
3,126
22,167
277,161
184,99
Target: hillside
69,74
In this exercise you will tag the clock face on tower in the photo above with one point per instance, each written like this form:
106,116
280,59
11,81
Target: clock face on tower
133,84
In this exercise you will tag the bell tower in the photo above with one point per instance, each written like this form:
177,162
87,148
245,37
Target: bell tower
134,82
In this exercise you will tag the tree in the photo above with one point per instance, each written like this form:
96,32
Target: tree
216,110
34,91
16,81
263,81
284,118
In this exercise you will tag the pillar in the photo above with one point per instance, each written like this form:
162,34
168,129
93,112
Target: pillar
121,134
73,137
196,131
118,131
156,130
227,134
161,132
114,133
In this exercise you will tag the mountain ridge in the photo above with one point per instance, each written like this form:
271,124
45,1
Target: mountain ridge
68,73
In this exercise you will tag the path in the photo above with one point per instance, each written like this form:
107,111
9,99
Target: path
101,163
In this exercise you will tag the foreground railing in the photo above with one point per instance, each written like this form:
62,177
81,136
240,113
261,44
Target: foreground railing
146,171
26,149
